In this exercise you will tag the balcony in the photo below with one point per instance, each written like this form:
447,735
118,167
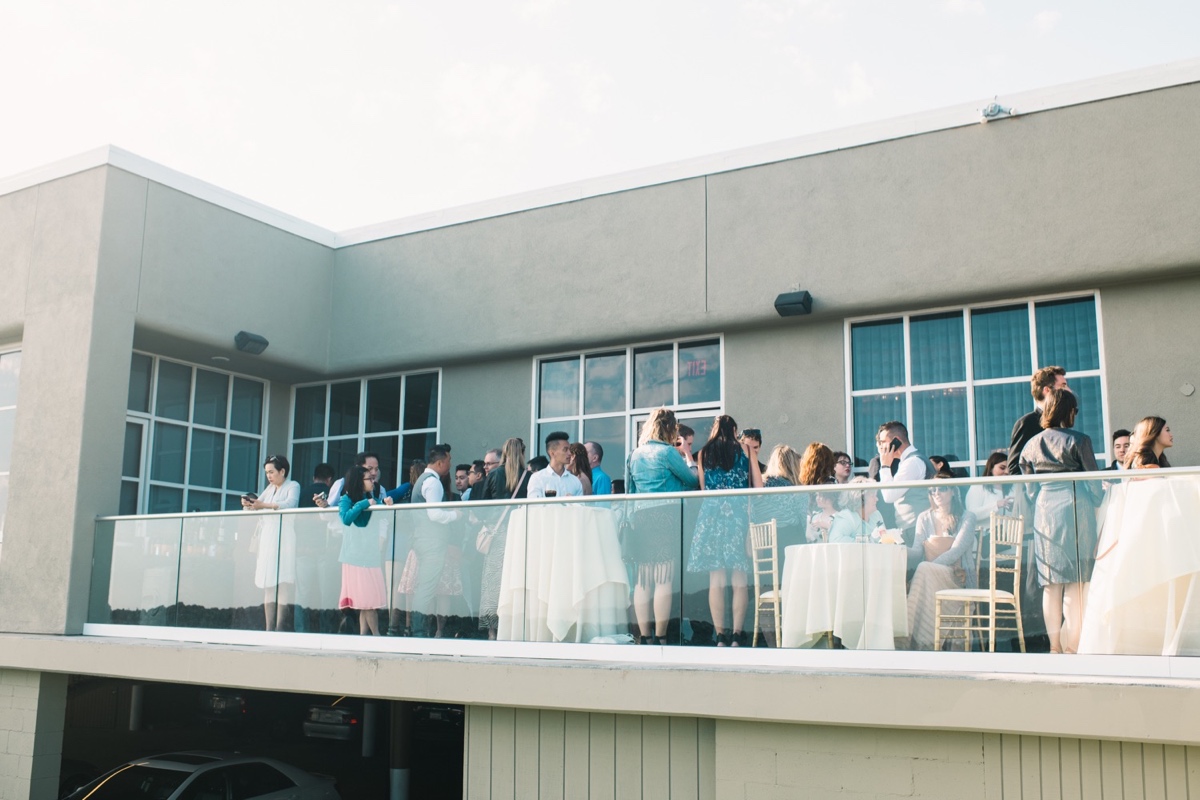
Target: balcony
559,575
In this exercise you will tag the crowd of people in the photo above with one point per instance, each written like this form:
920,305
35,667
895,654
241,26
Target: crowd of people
448,563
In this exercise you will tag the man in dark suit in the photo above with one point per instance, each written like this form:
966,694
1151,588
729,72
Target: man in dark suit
1120,448
1044,381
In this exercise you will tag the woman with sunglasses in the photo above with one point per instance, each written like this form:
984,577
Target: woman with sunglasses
944,548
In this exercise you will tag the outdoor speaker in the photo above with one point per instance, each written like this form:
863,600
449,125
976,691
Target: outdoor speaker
793,304
250,343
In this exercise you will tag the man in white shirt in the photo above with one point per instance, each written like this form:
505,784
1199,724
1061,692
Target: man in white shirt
432,536
556,480
900,462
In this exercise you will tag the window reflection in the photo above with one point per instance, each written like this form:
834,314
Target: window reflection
558,394
700,372
653,377
604,383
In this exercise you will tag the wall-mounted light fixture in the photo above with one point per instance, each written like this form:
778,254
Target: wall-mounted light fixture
250,343
993,111
793,304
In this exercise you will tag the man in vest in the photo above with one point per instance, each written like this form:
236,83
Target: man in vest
900,462
433,533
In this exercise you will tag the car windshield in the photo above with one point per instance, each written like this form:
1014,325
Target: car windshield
135,782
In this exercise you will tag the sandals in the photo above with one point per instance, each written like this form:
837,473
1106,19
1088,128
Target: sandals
724,639
738,639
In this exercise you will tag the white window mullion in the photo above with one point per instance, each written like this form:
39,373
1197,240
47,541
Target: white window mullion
968,351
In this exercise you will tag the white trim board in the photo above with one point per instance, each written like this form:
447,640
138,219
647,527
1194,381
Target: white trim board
1148,79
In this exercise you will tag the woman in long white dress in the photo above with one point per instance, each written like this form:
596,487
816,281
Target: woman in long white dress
275,569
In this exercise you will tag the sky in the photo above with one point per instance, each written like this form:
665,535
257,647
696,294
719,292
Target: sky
351,113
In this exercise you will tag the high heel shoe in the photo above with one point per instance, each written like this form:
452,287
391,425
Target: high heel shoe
738,639
723,639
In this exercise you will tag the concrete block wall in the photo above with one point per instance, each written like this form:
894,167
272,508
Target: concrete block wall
32,709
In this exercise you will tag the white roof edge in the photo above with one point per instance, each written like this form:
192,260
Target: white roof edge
110,155
1087,91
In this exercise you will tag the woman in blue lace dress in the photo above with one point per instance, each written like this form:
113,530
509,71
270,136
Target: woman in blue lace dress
719,543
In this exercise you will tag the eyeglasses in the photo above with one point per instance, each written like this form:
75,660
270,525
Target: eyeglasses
844,463
491,463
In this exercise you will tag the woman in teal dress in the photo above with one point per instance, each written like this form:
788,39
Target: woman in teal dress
719,542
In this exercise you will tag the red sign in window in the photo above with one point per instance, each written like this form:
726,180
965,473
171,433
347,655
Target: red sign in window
695,369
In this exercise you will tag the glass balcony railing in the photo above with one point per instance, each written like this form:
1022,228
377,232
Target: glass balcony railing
1103,563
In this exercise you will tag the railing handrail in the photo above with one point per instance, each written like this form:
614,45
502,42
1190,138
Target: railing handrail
1043,478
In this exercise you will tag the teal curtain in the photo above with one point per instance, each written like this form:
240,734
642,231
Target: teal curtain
936,343
997,407
1067,334
869,413
877,354
940,423
1000,342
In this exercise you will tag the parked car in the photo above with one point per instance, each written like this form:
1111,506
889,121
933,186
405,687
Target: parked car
222,705
207,776
438,722
72,774
341,720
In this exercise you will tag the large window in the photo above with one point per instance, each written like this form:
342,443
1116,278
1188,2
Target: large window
10,373
193,438
396,416
959,378
603,396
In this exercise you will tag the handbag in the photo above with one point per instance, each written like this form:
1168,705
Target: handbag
483,539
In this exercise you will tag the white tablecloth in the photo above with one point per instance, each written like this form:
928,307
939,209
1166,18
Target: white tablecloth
854,590
563,576
1144,597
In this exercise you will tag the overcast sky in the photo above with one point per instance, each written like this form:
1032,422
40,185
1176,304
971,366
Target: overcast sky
350,113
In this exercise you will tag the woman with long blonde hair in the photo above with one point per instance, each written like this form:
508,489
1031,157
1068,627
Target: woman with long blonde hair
789,510
656,466
505,482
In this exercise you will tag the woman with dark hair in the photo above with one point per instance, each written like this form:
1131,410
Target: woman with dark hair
362,563
581,466
508,481
985,498
275,567
944,553
656,465
719,540
1148,444
1064,518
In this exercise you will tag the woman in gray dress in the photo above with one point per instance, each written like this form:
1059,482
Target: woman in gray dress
1064,518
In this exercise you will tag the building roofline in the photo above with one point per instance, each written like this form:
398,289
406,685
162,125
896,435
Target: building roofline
1092,90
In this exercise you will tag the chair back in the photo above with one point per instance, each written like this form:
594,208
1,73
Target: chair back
1007,535
764,548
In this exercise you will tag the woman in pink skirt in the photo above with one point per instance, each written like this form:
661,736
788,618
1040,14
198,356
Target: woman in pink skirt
363,588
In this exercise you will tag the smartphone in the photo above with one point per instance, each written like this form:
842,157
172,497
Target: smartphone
894,444
249,497
322,496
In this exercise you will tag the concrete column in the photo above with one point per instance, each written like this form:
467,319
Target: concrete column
76,342
33,707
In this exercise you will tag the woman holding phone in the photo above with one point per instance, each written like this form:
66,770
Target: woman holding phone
275,567
362,561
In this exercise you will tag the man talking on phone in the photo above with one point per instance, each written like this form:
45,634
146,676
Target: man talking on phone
900,462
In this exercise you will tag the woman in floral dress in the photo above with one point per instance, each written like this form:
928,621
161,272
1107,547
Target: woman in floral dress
719,542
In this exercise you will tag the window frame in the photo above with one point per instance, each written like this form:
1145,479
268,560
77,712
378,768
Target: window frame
150,419
969,382
631,412
7,475
361,435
